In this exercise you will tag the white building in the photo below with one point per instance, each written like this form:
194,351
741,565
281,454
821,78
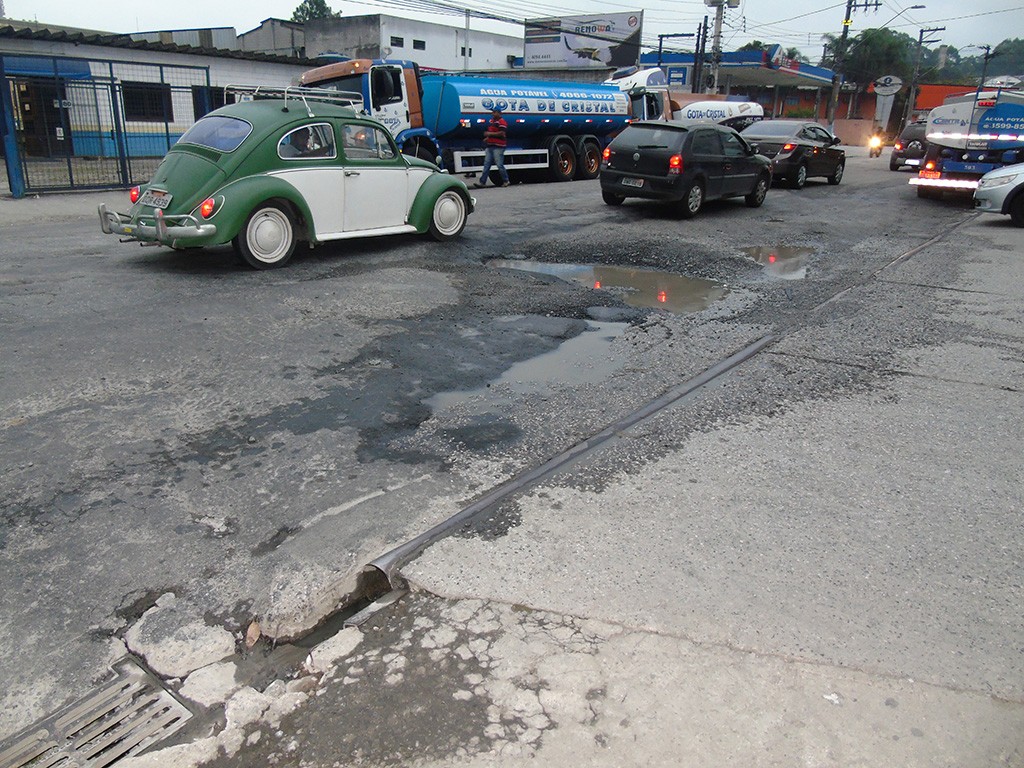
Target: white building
434,46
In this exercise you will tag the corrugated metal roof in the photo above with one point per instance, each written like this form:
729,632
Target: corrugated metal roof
26,31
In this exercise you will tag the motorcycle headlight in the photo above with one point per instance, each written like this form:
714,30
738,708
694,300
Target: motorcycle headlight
997,181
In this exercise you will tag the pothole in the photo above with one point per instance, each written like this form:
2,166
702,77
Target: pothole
583,359
785,263
643,288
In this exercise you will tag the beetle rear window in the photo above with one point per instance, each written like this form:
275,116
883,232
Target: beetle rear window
223,134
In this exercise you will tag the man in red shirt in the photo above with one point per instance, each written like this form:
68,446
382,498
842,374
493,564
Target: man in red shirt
494,148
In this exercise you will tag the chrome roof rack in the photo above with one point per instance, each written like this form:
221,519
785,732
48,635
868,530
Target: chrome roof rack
305,95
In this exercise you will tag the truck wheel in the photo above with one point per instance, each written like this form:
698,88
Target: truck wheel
1017,210
267,238
589,161
692,201
611,198
448,218
562,165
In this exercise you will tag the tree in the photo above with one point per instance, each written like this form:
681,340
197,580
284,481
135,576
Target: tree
753,45
313,9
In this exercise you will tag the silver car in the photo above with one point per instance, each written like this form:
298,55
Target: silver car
1002,191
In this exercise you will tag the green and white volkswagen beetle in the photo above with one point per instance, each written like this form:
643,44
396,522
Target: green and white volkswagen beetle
267,173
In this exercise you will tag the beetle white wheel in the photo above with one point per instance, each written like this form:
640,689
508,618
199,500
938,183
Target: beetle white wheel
267,239
449,216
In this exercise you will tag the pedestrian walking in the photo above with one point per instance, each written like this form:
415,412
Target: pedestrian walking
494,148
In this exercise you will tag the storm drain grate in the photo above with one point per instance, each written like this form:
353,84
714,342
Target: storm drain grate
121,718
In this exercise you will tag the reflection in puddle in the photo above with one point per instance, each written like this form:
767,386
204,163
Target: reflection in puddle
583,359
646,288
785,263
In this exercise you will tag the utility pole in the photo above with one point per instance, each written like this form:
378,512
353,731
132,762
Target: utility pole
716,44
912,96
697,86
840,55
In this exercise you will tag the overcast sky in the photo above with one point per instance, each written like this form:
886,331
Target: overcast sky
796,23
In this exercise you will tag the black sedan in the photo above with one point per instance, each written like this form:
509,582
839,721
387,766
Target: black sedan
799,150
683,165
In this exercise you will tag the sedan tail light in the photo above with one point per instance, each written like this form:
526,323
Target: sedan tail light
788,147
675,165
134,193
607,154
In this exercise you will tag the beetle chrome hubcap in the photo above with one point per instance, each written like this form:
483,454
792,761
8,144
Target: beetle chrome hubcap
269,235
449,213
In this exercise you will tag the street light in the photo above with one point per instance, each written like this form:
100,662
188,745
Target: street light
833,102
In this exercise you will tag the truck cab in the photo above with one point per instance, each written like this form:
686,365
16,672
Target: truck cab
968,136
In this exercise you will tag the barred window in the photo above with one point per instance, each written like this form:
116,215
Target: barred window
147,102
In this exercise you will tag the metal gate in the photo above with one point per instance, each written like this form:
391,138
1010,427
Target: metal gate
98,131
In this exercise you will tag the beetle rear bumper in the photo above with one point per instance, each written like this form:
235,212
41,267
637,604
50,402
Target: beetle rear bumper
159,229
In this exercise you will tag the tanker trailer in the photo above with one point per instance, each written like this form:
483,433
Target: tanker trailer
555,127
556,130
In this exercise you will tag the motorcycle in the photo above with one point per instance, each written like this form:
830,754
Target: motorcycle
875,146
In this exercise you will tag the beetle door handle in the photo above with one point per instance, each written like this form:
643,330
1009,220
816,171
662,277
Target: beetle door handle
351,173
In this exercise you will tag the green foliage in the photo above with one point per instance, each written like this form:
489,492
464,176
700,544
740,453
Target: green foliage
308,10
798,113
753,45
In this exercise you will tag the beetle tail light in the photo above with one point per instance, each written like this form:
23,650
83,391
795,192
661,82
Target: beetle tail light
675,165
134,194
207,207
788,147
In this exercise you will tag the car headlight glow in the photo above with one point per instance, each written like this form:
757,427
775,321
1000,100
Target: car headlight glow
997,181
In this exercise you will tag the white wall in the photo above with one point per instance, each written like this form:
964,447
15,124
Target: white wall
444,45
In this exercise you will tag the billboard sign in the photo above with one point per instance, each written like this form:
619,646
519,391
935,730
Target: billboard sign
584,42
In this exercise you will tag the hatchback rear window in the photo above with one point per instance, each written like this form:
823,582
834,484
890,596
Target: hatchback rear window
223,134
771,128
651,136
913,132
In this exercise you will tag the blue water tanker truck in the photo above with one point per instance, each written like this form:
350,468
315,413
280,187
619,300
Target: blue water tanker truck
557,130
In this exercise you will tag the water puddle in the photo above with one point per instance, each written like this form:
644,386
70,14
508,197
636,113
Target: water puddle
785,263
644,288
583,359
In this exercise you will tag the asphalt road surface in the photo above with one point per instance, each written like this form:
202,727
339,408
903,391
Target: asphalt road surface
247,441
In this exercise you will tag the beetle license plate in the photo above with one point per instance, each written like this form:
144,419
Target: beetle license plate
632,182
156,198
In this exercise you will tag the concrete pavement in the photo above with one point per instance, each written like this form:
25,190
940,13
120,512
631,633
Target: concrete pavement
819,581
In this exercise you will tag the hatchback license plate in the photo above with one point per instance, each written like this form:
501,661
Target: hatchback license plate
156,199
632,182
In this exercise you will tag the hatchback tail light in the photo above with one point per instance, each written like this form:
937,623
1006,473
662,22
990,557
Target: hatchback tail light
675,165
207,207
134,193
898,146
788,147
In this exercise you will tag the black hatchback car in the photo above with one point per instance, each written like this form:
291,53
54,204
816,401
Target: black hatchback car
683,164
911,146
799,150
